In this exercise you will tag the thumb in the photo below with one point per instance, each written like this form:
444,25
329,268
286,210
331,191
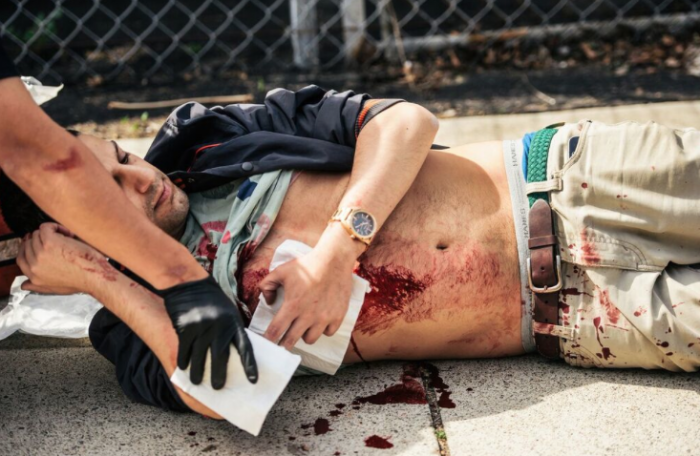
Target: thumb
29,286
269,285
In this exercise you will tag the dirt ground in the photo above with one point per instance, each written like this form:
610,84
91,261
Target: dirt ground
448,93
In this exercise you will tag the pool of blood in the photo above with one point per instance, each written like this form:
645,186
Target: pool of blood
378,442
410,390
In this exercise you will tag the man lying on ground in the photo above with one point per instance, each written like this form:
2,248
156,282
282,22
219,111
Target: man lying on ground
613,282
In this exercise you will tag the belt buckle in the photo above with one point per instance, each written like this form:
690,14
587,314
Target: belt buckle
546,288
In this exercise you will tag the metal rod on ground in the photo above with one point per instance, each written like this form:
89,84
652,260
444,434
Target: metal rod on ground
180,101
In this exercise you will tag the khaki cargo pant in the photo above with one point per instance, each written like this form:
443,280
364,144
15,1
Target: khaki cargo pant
627,207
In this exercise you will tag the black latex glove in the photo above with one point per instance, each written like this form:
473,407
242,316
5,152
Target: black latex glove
204,317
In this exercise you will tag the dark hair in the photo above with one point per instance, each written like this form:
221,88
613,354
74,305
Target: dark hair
21,214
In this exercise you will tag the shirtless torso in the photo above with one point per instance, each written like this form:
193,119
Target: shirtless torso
443,269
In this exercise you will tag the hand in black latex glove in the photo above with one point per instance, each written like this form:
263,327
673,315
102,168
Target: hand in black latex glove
204,317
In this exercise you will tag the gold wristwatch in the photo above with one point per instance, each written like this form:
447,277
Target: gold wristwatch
359,224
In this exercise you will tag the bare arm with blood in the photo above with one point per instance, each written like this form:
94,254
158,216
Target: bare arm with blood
65,179
58,264
389,154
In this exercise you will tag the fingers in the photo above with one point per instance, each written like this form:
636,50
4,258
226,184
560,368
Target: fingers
279,325
220,353
29,286
199,358
64,231
269,285
332,328
294,333
312,334
245,351
184,351
37,244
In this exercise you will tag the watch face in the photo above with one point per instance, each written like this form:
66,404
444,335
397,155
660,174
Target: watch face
363,223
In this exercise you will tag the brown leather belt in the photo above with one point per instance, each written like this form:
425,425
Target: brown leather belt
544,275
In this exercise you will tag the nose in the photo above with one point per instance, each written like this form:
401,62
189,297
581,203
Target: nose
135,178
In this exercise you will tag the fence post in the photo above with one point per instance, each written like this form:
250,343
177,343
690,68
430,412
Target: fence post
353,29
303,18
388,41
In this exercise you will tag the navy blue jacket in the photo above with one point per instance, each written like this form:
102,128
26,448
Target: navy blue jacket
201,148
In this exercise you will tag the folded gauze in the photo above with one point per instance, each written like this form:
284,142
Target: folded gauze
326,355
242,403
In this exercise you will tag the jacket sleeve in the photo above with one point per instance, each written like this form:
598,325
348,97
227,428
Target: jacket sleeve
310,112
321,126
139,373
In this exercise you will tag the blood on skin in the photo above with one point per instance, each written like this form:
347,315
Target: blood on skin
378,442
104,268
248,289
177,271
73,161
355,349
392,289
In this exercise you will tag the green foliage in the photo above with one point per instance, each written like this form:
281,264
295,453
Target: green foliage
43,26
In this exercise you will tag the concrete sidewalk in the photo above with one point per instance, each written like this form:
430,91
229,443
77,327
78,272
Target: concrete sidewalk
58,398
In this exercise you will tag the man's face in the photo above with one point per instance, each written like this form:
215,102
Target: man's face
144,185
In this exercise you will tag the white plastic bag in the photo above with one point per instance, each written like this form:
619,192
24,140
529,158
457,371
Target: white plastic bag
47,315
39,92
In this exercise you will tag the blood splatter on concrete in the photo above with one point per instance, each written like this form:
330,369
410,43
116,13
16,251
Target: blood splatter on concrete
409,391
321,426
375,441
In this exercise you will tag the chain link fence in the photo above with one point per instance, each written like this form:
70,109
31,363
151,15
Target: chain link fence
140,40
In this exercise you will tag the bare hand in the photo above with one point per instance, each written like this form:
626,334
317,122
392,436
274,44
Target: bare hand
56,263
317,291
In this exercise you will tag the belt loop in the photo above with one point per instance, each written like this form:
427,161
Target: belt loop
544,186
